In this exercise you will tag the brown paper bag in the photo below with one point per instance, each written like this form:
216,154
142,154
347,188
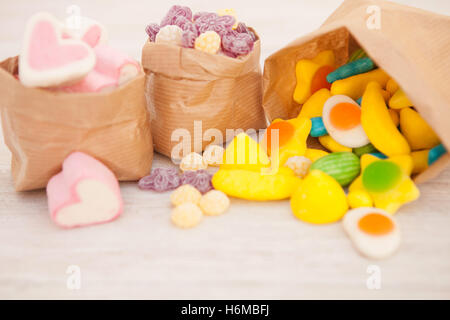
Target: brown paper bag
186,85
412,45
41,128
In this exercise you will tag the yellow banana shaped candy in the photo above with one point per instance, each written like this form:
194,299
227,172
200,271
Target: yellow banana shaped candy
399,100
378,124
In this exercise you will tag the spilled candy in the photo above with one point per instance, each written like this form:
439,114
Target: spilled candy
368,148
342,166
160,180
186,215
317,127
185,193
332,145
213,155
319,199
200,179
314,154
351,69
424,158
192,162
417,131
399,100
359,198
374,232
299,164
314,105
214,203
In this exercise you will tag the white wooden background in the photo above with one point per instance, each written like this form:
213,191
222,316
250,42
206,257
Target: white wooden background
256,250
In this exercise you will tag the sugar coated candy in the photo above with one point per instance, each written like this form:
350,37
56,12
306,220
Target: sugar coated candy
351,69
200,179
208,41
213,155
229,12
299,164
214,203
185,193
237,43
161,179
214,22
175,12
152,30
186,215
170,35
242,28
192,162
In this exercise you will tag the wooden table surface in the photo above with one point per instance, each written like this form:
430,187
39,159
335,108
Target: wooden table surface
255,250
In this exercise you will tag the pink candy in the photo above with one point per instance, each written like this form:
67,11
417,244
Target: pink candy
219,24
152,29
242,28
238,44
200,179
160,180
175,12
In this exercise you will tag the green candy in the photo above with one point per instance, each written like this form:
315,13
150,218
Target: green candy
381,176
344,167
357,54
368,148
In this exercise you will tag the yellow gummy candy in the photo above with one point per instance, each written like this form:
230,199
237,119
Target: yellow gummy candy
394,116
314,105
208,41
292,136
399,100
359,198
252,185
416,130
328,142
392,86
378,124
420,161
305,70
314,154
354,86
402,191
244,153
319,199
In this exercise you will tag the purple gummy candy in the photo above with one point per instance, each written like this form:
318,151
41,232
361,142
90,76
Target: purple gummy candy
188,39
152,29
181,22
204,15
219,24
242,28
200,179
161,179
239,44
174,12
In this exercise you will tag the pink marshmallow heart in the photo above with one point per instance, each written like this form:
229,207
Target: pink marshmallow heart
94,35
49,59
84,193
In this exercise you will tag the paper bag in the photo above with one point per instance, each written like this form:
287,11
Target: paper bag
41,128
411,45
186,85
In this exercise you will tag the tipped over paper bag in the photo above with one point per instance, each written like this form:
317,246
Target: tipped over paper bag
411,45
41,128
187,85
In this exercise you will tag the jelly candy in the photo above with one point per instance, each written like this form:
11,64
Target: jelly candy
342,166
373,231
208,41
237,43
354,86
424,158
392,86
311,75
395,117
213,155
378,124
193,161
214,203
175,12
244,153
186,215
200,179
330,144
357,54
299,164
314,105
152,30
399,100
387,181
359,198
368,148
170,35
319,199
342,119
185,193
229,12
314,154
416,130
214,22
242,28
317,127
292,135
351,69
379,155
160,180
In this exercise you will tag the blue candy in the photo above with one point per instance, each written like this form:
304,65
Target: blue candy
379,155
317,128
351,69
359,101
435,153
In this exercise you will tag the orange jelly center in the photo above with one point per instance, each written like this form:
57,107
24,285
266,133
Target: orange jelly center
345,116
375,224
285,133
319,80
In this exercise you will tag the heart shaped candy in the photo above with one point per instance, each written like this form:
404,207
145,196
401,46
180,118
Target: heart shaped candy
48,59
85,192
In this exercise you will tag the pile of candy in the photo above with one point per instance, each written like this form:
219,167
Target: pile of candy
215,33
375,140
71,60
